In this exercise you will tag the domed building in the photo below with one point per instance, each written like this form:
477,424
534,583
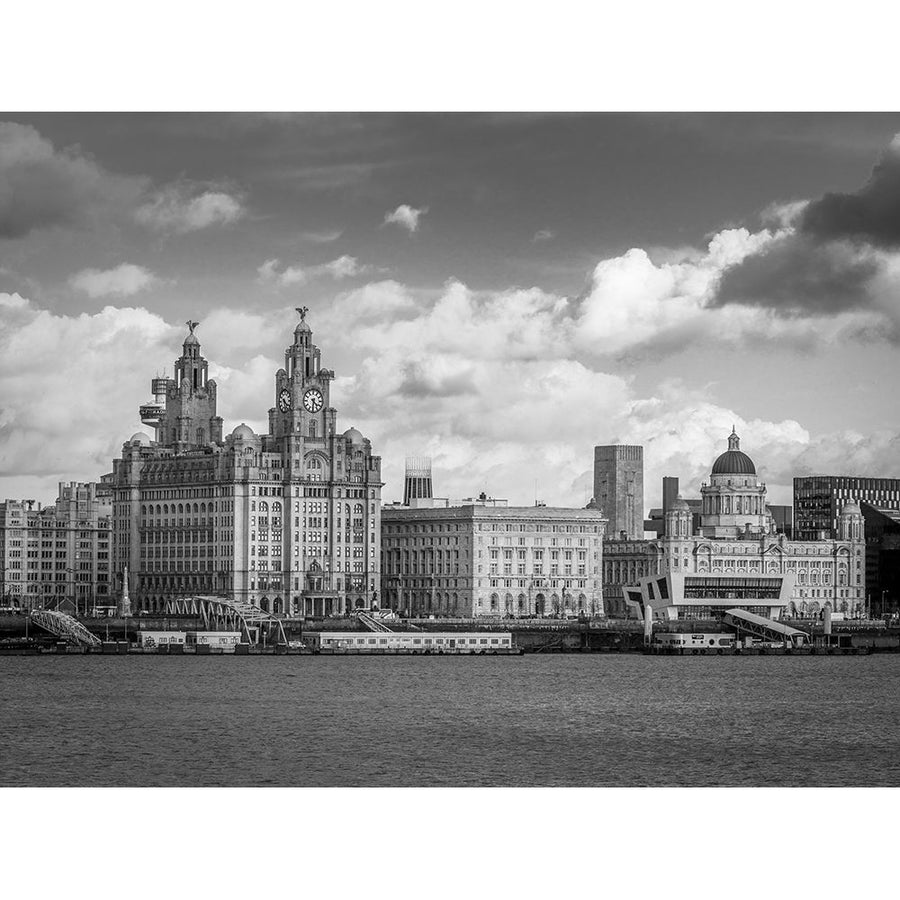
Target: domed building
734,501
737,540
288,521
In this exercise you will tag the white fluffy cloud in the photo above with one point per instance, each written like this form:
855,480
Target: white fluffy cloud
508,391
182,208
122,281
338,269
405,216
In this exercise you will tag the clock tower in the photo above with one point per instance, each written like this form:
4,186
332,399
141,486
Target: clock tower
302,413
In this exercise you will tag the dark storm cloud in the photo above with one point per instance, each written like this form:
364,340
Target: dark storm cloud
42,187
796,274
828,262
870,215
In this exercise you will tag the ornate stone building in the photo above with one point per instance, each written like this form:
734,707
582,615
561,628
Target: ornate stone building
737,536
289,520
477,559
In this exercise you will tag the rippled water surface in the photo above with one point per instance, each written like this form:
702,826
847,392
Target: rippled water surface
411,721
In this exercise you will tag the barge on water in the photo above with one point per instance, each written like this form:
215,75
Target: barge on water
414,642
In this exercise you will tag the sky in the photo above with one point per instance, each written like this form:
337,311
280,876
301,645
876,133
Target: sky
501,292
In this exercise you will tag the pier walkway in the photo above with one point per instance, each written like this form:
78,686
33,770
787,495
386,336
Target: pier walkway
767,629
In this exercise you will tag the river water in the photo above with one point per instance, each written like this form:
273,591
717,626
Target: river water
579,720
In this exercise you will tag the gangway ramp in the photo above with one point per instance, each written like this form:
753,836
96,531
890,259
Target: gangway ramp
371,622
65,627
766,629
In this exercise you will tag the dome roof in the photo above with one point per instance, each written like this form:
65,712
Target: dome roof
243,432
191,339
302,326
140,438
354,436
733,461
851,507
680,503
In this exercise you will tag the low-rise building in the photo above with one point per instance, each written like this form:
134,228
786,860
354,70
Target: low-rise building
480,559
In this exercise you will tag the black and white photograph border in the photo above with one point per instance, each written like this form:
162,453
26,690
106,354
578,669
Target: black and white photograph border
72,255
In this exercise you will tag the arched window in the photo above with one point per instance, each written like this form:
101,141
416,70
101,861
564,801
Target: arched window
495,603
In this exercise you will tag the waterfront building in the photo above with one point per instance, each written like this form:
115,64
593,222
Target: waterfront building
58,556
819,499
619,488
289,520
737,536
882,530
479,558
682,595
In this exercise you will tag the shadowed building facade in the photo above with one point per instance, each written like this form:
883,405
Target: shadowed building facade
619,488
289,520
819,499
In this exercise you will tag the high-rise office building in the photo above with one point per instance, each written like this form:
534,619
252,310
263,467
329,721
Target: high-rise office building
619,488
819,499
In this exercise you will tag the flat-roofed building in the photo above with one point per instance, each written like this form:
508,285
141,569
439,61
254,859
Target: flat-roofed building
680,595
478,559
819,499
58,556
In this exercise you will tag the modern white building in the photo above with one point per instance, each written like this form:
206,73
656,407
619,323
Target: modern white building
680,595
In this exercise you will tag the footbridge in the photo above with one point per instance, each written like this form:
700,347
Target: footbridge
765,629
65,627
224,614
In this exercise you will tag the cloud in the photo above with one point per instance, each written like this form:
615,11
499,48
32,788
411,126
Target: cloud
320,237
123,281
870,214
338,269
66,419
835,254
182,207
497,386
545,234
406,217
504,389
43,187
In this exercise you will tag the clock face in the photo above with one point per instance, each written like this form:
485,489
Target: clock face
284,400
313,401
